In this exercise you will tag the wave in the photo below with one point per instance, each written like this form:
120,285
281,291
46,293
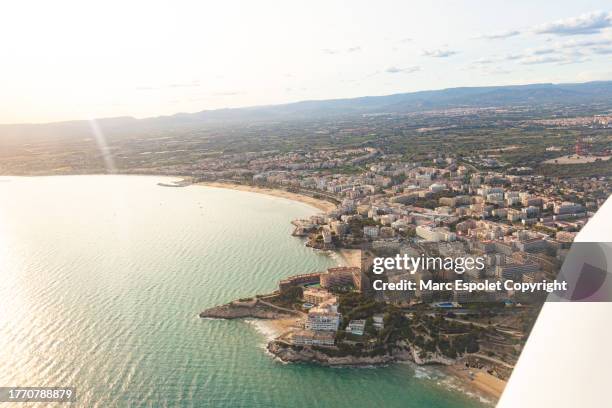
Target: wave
264,328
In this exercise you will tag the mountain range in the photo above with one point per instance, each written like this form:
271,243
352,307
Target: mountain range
599,92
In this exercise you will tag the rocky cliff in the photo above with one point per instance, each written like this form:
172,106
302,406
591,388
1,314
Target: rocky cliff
289,353
403,352
253,308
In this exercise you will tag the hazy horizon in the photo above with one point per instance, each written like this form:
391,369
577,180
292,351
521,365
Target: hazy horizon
72,61
170,114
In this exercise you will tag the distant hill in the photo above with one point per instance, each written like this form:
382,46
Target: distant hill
536,94
578,93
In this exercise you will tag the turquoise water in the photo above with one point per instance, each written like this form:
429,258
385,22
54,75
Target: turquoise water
102,278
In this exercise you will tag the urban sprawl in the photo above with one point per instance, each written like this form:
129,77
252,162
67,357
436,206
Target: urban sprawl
516,225
504,187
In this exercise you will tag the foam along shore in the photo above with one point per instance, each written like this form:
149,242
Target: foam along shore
273,328
315,202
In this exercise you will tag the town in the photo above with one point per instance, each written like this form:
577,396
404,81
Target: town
500,183
519,226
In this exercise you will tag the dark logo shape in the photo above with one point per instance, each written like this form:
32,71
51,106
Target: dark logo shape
585,270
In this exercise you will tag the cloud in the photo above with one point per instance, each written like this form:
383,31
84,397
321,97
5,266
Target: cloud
579,59
568,52
439,53
406,70
193,84
586,43
484,61
589,23
602,51
147,88
543,51
400,44
332,51
488,66
513,57
572,51
290,90
228,93
532,60
500,35
562,58
565,58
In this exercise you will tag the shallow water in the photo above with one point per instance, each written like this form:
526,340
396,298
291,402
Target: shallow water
102,278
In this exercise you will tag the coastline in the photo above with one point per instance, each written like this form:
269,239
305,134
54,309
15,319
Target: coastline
273,328
349,257
477,380
314,202
317,203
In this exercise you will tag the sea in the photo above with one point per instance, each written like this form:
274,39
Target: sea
102,279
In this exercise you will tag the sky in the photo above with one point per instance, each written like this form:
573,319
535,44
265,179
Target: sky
65,60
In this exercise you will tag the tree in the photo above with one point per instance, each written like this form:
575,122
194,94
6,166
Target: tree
291,294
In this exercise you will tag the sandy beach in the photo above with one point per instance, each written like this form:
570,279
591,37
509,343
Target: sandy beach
317,203
478,380
274,328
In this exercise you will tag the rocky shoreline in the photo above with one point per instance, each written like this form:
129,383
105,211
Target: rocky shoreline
259,309
477,381
306,354
248,308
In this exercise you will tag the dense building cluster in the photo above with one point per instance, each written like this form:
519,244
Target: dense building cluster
520,225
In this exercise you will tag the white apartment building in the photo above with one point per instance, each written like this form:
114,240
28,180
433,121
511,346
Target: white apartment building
323,318
435,234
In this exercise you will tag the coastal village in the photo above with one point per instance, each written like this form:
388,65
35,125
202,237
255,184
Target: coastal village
508,183
426,170
522,225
